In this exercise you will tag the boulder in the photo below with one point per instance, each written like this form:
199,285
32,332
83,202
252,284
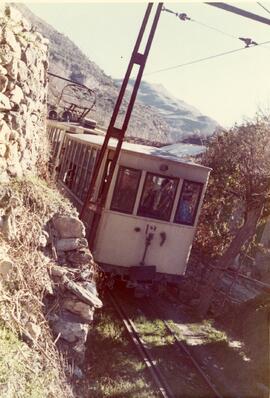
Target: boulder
70,331
80,257
68,244
69,227
84,295
77,307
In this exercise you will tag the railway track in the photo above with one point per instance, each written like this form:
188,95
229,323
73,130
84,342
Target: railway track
164,388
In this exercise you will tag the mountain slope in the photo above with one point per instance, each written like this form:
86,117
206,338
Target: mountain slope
157,116
185,121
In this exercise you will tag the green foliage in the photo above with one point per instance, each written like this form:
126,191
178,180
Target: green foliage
239,182
21,370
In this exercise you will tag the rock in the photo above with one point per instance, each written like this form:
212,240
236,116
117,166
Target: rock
15,170
4,102
12,68
79,308
69,227
3,149
25,24
70,331
78,372
8,227
22,71
86,272
91,287
6,267
83,294
83,256
70,244
4,131
29,56
3,83
79,350
6,55
12,42
3,70
16,95
13,14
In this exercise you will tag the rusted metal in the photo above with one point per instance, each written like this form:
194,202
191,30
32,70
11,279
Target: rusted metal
119,133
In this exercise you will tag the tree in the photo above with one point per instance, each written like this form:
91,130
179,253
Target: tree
237,196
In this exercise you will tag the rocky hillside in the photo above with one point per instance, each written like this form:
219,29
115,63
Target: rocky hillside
186,123
157,117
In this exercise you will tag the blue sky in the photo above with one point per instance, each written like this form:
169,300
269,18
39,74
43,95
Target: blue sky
229,88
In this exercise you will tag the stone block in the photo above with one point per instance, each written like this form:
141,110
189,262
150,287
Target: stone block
68,227
4,102
12,68
79,308
70,331
22,71
81,257
16,95
10,39
67,244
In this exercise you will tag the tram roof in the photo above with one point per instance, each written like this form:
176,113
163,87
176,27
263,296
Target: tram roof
138,148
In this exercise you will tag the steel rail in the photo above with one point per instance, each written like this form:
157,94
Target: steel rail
141,346
144,351
193,360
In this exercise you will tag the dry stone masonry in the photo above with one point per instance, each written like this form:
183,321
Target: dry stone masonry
73,283
69,268
23,95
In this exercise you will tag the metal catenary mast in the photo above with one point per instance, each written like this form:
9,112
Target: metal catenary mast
137,58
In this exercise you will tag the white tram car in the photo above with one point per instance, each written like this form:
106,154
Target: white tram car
152,208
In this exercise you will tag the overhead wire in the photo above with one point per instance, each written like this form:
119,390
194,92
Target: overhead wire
185,17
261,5
204,59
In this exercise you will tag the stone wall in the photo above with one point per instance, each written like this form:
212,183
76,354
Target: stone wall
23,96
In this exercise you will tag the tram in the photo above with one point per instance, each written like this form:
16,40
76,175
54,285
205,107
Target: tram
152,208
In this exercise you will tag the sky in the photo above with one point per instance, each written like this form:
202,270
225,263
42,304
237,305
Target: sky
229,89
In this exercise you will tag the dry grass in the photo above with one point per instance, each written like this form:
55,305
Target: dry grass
21,295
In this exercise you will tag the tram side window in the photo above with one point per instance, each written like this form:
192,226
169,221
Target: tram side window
157,197
125,190
188,203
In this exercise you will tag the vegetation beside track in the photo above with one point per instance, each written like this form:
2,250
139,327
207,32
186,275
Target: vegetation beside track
114,368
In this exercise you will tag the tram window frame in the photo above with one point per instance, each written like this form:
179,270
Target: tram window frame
192,222
114,208
140,213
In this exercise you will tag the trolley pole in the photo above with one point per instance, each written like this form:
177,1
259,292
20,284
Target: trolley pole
93,202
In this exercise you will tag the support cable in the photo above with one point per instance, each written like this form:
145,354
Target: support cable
184,17
261,5
204,59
